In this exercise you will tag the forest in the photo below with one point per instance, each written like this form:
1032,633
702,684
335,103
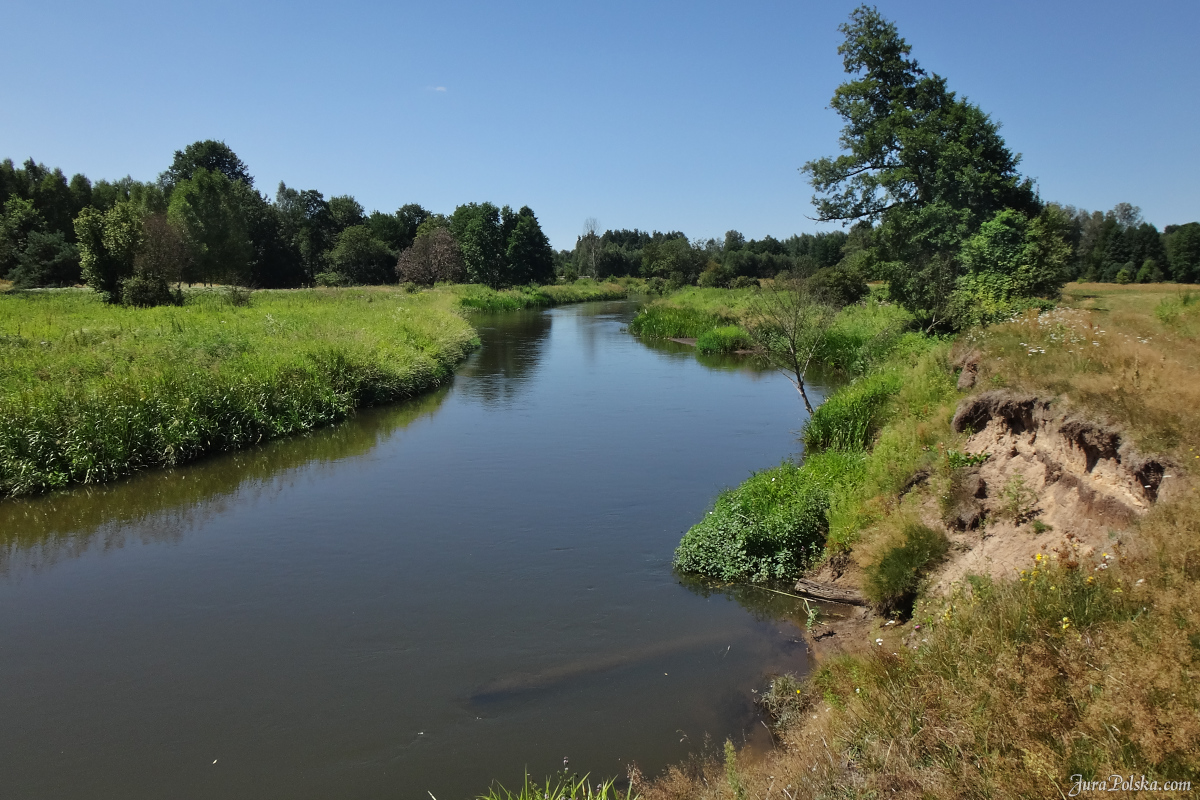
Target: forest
203,221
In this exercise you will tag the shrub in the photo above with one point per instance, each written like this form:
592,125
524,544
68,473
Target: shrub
849,419
771,527
891,582
726,339
147,289
839,286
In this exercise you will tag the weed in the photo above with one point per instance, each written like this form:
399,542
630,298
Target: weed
1017,500
562,788
892,581
1040,527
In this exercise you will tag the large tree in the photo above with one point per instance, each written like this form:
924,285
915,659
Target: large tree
209,209
209,155
928,166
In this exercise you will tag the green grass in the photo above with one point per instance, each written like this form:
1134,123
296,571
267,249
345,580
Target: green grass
91,392
481,298
850,417
892,581
564,788
660,321
726,339
770,527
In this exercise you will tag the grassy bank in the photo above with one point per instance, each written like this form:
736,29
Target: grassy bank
1084,664
481,298
90,392
862,335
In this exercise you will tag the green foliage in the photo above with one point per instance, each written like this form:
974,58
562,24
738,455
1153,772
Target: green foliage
211,156
565,787
772,526
145,289
840,286
1008,261
1017,500
931,167
865,335
664,321
892,581
849,419
47,259
209,209
731,772
115,390
362,258
1183,252
726,339
108,244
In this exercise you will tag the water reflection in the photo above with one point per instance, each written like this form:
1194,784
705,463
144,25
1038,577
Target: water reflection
513,344
38,532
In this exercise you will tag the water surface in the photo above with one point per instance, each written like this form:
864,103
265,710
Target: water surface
428,597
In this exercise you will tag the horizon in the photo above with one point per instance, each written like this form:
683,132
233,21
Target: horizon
690,118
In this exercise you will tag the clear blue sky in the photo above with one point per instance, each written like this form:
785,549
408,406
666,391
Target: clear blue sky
689,116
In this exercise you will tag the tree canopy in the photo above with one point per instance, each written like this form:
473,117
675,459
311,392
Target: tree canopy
928,167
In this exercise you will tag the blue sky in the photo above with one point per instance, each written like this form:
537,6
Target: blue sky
689,116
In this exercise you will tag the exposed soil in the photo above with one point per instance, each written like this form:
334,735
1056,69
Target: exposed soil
1054,482
1079,482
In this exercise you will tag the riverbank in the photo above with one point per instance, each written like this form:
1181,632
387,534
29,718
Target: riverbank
1022,526
91,392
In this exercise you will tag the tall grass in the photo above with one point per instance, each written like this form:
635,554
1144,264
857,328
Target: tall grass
90,392
770,527
850,417
564,788
661,321
726,339
482,298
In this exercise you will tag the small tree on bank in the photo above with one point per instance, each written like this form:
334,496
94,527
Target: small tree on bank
790,320
433,257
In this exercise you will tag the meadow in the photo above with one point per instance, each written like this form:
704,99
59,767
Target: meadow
90,392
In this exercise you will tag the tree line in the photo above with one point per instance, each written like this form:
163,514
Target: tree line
203,221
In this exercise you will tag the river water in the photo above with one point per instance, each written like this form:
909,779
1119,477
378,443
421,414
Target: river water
426,598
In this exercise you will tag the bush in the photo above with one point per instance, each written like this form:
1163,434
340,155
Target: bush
331,279
839,286
147,289
771,527
849,419
726,339
891,583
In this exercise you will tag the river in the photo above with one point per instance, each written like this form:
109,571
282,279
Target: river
428,597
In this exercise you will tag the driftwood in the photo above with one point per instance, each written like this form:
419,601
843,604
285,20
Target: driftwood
823,591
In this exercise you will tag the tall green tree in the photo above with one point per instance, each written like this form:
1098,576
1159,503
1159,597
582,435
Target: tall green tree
930,167
476,228
1183,252
210,155
209,209
528,254
361,258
